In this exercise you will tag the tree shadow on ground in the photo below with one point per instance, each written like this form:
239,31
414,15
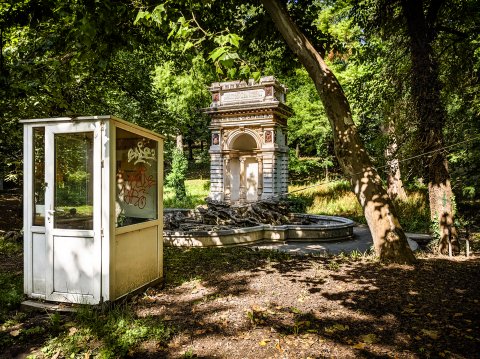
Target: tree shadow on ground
244,303
430,308
364,308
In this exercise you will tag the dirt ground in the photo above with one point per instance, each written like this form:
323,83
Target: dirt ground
306,307
318,307
10,211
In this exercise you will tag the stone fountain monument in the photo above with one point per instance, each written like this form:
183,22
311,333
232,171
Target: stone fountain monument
248,152
249,165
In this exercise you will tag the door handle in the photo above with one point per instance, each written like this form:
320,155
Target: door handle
50,213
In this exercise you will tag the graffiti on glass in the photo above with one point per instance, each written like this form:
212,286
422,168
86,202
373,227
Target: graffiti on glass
135,187
141,154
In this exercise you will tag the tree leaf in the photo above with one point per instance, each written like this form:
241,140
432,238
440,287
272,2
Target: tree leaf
141,14
232,72
263,342
216,53
187,46
234,39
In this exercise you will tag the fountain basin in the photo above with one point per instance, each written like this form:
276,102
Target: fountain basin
324,229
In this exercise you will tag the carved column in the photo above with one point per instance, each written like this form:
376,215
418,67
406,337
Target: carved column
226,179
274,176
260,178
243,191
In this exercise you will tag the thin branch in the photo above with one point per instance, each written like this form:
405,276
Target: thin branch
449,30
198,25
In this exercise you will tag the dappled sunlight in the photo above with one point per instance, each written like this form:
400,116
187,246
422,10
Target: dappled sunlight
336,304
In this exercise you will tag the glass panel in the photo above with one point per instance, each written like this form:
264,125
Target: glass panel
74,180
39,176
136,179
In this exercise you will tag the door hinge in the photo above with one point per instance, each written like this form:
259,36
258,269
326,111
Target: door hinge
103,163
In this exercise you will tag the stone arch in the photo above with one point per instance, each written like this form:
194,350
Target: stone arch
232,140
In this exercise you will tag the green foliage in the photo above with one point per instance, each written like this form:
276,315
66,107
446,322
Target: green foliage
308,128
67,58
331,198
176,177
335,198
298,204
308,169
185,33
414,212
182,92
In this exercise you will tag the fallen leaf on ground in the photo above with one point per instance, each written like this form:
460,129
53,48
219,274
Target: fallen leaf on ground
264,342
433,334
359,346
15,333
369,338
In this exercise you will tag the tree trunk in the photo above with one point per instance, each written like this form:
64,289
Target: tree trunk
394,181
190,149
179,139
431,117
389,239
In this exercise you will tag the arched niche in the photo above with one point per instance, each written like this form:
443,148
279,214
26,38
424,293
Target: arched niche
243,140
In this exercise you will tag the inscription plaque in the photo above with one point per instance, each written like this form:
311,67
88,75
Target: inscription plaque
241,96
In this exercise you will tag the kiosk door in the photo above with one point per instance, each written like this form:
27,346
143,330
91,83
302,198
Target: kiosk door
73,212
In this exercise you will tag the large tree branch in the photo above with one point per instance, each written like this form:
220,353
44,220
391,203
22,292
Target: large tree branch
458,33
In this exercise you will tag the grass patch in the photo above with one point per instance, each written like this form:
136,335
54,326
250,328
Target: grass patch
114,334
414,212
11,283
197,191
9,248
187,264
331,199
11,293
337,199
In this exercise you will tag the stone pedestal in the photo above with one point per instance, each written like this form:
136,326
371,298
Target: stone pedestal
248,153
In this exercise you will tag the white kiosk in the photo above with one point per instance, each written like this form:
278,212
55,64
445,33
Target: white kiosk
92,208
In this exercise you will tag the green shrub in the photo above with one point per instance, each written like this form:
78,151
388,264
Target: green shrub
176,177
197,191
307,169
